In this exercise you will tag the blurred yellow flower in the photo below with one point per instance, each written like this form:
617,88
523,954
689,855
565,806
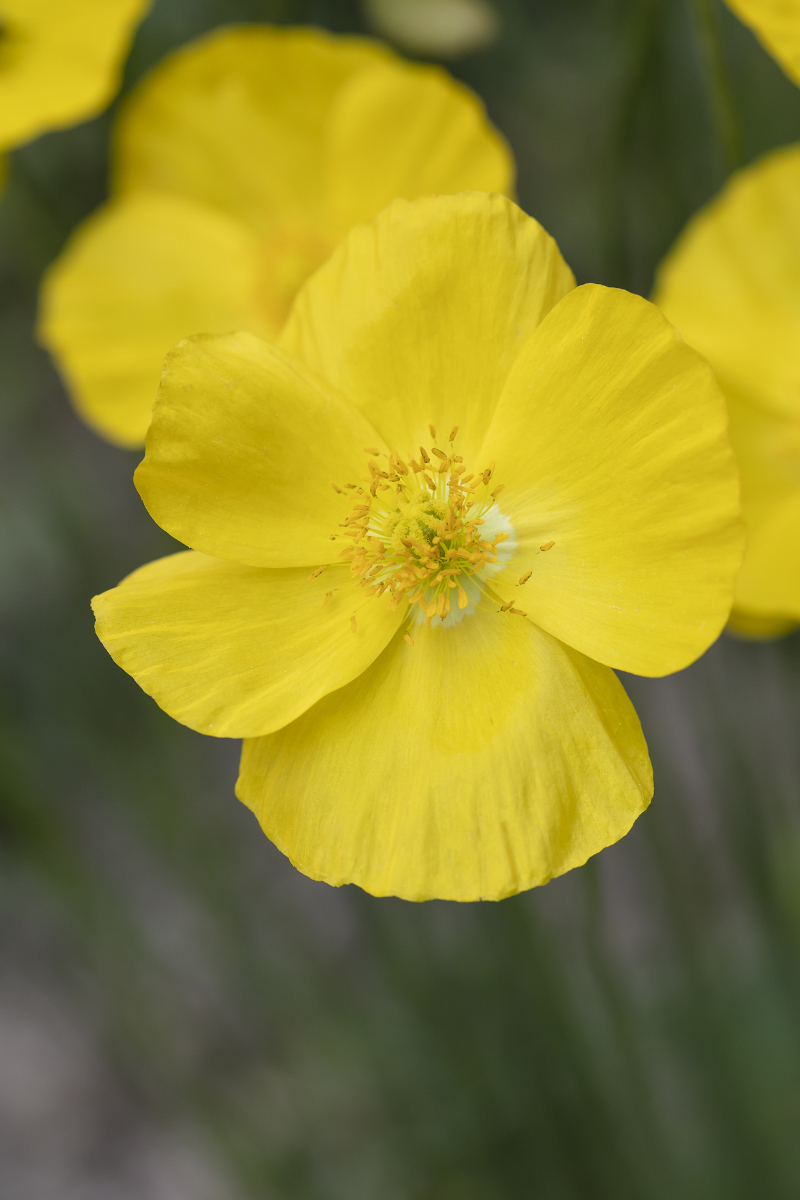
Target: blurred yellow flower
732,287
532,486
60,61
777,25
240,163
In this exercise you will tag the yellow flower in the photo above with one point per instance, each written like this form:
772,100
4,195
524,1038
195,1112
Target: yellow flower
240,164
60,61
426,525
777,25
732,287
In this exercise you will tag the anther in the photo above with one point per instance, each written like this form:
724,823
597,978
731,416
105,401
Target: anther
547,546
453,433
525,578
425,457
439,453
408,638
328,596
336,488
433,432
318,572
353,623
497,491
371,450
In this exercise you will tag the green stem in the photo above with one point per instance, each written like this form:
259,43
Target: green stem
722,98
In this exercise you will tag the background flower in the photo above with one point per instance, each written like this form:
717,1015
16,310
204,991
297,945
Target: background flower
240,163
777,24
60,62
731,287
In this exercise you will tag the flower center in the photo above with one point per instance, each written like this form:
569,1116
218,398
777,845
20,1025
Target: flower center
427,532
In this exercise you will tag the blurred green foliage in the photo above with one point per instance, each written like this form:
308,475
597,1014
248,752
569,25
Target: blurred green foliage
630,1031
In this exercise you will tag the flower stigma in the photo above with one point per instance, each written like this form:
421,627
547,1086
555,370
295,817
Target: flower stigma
427,532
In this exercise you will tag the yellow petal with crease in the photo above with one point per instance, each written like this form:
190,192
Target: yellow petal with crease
142,274
480,762
731,285
418,317
239,119
610,439
60,61
777,24
403,131
242,450
236,651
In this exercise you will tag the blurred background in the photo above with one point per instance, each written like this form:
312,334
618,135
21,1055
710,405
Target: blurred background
182,1015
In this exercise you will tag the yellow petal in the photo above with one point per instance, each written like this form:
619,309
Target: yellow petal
480,762
769,581
139,276
777,24
418,317
236,651
242,450
731,285
610,438
732,282
402,131
238,120
60,61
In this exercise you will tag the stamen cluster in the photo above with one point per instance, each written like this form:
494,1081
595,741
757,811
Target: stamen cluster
417,531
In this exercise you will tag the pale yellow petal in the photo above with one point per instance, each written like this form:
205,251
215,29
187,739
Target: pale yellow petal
611,440
419,317
136,278
777,24
238,120
480,762
60,61
236,651
408,131
769,581
731,285
242,452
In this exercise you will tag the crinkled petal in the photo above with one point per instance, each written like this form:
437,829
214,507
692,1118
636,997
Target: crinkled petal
236,651
418,317
139,276
611,440
242,451
407,131
731,285
480,762
60,61
777,24
239,120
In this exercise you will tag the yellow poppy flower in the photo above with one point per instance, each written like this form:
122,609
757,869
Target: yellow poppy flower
532,485
60,61
732,287
240,163
777,26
